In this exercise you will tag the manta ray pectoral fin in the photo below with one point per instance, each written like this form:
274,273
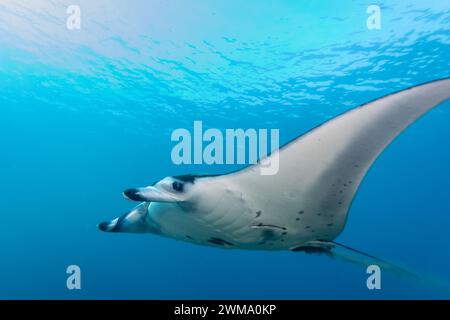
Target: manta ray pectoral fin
320,171
149,194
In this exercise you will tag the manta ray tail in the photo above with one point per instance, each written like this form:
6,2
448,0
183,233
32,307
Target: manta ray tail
342,252
345,253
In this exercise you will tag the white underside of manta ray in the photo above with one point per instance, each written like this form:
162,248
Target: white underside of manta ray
304,206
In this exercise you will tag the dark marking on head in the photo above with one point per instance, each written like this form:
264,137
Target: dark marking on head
191,177
258,213
186,178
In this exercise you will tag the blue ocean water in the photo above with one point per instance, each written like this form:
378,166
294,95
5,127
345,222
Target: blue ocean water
87,113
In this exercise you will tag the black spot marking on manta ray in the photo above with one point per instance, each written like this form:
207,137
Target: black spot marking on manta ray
301,212
262,225
330,224
220,242
189,237
319,214
284,233
258,213
307,227
339,202
297,219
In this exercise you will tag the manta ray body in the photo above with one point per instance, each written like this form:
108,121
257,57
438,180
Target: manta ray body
303,207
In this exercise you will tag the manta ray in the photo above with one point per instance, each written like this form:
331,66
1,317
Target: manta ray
304,207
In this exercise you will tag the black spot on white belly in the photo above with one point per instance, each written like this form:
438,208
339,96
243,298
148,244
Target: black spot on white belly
220,242
262,225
